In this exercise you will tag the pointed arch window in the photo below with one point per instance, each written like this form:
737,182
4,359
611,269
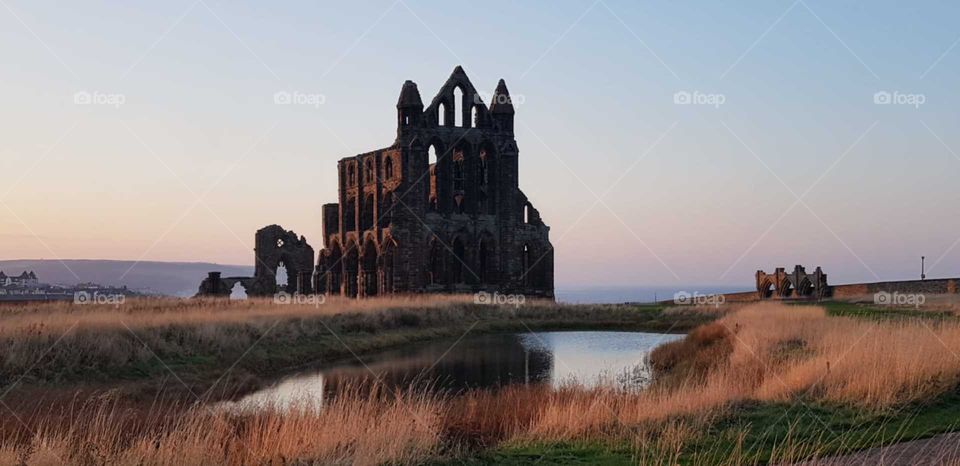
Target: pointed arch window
458,173
388,168
369,171
482,168
457,101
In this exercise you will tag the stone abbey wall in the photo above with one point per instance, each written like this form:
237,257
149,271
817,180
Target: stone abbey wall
439,210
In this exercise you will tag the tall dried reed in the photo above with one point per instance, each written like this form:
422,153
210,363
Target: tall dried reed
763,352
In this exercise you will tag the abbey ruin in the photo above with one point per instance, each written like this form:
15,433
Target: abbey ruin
439,210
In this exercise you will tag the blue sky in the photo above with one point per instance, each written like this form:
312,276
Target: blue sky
692,194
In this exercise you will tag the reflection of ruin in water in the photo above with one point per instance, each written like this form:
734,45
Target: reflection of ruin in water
486,361
478,362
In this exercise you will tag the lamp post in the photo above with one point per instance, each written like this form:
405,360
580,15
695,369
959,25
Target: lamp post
923,269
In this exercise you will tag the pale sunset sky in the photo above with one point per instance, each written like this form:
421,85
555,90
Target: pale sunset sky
785,155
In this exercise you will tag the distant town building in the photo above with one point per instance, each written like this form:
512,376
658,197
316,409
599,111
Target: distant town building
24,279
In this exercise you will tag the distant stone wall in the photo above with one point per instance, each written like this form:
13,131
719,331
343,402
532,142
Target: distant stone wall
855,290
742,297
937,286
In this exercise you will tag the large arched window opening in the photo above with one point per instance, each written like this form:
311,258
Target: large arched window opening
435,263
526,259
369,171
457,103
238,292
442,114
766,289
349,215
366,216
281,276
526,213
350,266
387,259
786,290
482,169
433,166
388,207
368,264
459,258
388,168
334,275
458,169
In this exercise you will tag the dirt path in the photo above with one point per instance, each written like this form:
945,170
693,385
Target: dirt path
940,450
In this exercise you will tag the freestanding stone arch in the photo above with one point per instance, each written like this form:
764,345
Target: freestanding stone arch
792,285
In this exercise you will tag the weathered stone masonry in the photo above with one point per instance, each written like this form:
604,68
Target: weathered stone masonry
273,247
439,210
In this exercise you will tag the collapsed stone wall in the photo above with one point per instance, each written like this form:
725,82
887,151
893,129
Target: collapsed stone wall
274,247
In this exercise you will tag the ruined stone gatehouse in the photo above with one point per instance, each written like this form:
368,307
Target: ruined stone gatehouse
439,210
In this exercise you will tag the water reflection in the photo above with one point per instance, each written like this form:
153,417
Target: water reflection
486,361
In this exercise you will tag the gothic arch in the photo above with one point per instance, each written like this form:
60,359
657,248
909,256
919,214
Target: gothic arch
368,212
786,288
487,266
368,268
437,177
350,214
435,261
388,169
766,289
334,268
486,177
459,270
351,264
387,265
388,209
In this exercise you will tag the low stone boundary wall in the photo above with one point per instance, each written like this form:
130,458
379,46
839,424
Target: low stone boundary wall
935,286
857,290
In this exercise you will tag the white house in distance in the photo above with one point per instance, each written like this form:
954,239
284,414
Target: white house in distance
24,279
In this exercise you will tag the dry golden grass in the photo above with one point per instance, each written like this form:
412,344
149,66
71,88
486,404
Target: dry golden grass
106,340
57,317
363,426
764,352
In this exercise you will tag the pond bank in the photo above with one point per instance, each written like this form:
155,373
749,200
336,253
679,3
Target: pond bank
226,348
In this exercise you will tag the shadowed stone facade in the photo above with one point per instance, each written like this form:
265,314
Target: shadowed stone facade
439,210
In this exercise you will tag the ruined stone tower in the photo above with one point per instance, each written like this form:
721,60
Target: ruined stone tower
440,210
